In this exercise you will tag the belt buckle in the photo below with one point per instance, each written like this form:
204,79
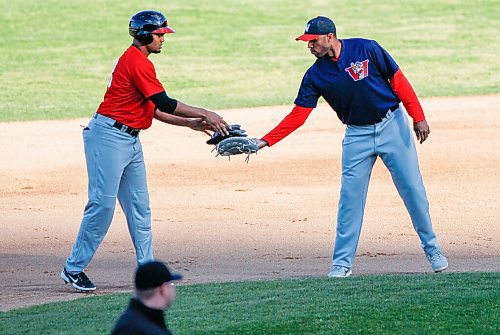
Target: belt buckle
126,129
391,111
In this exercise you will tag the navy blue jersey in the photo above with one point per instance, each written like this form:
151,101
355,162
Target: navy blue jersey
356,85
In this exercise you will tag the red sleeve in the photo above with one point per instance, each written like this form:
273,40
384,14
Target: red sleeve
290,123
144,77
406,94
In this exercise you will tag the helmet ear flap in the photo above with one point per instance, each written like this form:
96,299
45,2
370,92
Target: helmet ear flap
145,39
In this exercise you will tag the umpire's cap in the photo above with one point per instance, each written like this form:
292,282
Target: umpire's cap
153,274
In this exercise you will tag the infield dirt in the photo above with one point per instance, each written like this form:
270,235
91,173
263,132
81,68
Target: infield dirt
220,220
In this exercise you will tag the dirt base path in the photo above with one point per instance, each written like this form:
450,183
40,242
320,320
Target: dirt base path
216,220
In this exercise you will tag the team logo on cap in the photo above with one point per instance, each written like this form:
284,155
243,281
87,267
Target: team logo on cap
358,70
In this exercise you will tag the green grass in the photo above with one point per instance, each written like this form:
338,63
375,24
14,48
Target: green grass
56,56
456,303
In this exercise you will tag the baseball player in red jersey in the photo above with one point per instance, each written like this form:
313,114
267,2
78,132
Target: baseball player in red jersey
113,151
364,86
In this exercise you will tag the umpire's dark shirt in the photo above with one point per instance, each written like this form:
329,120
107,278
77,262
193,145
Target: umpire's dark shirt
141,320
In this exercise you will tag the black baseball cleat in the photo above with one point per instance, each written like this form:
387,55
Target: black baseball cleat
80,281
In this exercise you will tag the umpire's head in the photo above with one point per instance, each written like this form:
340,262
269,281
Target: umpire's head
154,285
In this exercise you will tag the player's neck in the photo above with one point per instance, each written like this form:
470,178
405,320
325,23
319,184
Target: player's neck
334,52
142,48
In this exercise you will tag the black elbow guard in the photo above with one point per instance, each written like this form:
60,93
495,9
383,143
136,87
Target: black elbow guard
163,102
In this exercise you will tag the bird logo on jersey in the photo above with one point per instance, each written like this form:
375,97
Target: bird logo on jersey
358,70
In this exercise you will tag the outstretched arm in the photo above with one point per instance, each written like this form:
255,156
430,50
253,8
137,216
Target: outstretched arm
290,123
197,124
212,119
168,105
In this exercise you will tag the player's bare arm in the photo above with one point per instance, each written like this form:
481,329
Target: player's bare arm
197,124
214,120
201,119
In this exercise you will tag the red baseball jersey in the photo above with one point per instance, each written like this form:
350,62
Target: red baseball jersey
133,80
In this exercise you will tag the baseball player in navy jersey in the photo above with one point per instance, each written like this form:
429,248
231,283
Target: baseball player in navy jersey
364,86
113,151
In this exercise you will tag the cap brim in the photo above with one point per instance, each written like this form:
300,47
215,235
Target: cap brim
307,37
176,276
164,30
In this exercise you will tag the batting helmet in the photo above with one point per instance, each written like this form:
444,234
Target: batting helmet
148,22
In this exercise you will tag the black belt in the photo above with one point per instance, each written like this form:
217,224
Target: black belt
392,109
129,130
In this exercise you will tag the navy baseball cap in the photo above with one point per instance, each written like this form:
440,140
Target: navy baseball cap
320,25
153,274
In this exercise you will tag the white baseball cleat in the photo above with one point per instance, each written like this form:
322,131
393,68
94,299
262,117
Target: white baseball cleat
339,271
438,261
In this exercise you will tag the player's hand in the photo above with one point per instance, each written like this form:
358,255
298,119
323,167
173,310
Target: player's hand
199,124
421,130
216,122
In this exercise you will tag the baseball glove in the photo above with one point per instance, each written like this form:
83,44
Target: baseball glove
234,131
236,146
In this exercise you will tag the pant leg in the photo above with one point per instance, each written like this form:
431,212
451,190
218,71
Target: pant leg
358,157
134,199
107,154
396,147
